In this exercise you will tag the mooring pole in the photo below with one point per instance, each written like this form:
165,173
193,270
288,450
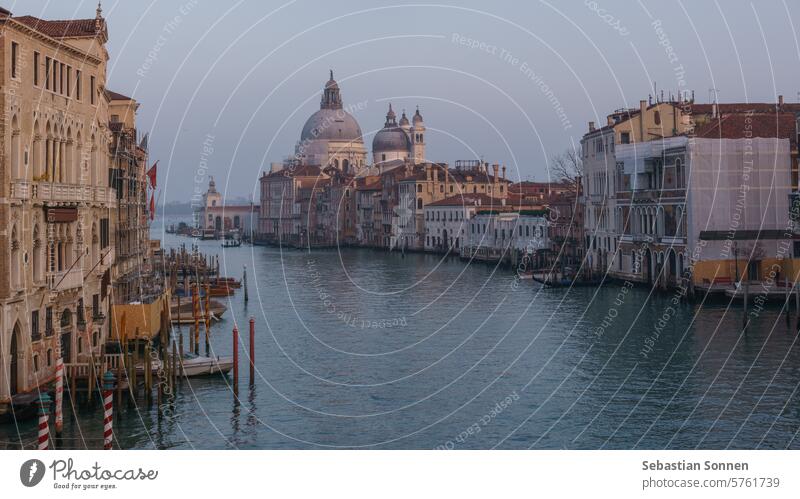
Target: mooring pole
252,351
235,360
244,282
786,289
43,409
108,410
59,393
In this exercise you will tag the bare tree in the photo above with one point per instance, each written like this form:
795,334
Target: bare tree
567,168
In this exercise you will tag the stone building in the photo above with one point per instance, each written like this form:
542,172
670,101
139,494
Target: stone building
626,127
57,245
127,175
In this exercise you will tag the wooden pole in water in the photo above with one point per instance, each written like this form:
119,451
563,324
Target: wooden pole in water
196,312
235,360
108,410
148,371
174,359
91,382
786,290
244,282
43,406
179,310
252,351
207,315
746,289
59,393
796,299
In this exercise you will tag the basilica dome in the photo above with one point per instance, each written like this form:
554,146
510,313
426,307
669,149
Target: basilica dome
331,124
391,138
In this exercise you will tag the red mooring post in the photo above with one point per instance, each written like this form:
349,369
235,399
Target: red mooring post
108,410
235,360
44,415
252,351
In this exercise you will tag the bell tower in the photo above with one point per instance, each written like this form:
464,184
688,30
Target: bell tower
418,137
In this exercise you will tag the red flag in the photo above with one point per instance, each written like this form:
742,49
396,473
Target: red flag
152,205
151,174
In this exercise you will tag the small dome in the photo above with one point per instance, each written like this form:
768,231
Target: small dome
390,140
403,119
331,124
417,117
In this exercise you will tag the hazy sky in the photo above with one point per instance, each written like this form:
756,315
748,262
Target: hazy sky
511,82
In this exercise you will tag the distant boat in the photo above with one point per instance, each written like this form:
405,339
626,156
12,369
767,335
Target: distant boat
195,365
231,243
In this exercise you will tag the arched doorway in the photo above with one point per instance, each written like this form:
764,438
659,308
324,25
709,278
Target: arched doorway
218,223
648,265
14,368
445,244
672,262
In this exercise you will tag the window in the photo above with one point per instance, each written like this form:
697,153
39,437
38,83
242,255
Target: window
36,68
35,334
103,233
47,64
14,57
61,77
419,203
96,306
657,117
419,188
78,86
91,89
114,118
54,73
48,321
625,138
69,81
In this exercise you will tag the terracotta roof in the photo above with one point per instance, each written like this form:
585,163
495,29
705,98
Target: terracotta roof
745,107
750,125
72,28
116,96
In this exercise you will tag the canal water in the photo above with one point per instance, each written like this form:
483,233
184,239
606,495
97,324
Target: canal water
366,349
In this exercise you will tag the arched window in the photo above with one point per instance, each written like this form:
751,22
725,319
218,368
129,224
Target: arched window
419,203
419,188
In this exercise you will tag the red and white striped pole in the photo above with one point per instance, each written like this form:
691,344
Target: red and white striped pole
44,427
59,393
108,410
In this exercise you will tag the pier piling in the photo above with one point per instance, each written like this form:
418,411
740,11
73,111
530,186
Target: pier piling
43,409
252,351
235,360
108,410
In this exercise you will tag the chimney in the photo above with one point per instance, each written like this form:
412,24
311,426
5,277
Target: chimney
642,112
780,100
591,126
504,172
714,110
610,120
503,202
428,172
446,181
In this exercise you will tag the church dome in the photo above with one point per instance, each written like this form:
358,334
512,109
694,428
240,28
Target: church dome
390,138
331,124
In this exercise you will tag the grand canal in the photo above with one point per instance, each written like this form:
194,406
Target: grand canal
360,348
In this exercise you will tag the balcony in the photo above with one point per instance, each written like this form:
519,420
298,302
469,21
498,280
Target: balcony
20,189
66,193
65,280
